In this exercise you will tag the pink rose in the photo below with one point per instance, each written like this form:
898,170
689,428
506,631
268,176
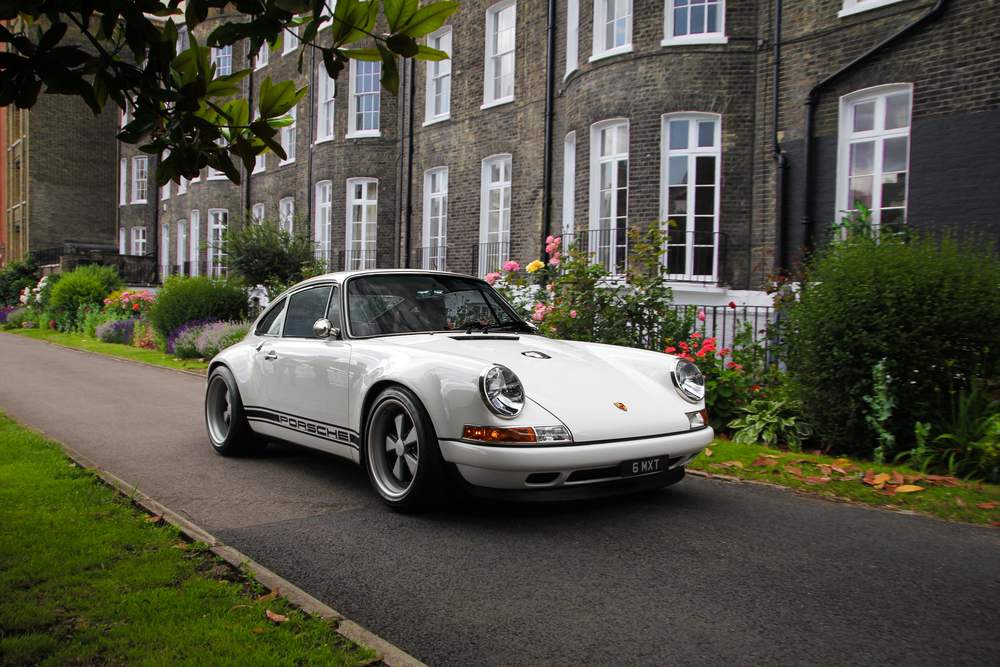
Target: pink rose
491,277
511,266
701,315
572,313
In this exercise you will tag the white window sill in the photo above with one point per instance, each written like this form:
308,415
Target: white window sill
363,134
695,39
139,201
438,119
282,163
864,7
626,48
220,177
496,103
569,73
323,140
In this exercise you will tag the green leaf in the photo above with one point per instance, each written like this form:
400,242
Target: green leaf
390,75
368,55
403,45
246,152
429,18
398,12
425,52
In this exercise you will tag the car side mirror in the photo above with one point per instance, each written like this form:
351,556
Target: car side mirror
323,328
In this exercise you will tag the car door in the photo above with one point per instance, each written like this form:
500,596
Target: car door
306,377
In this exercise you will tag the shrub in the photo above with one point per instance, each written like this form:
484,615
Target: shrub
187,299
929,310
117,331
85,285
264,254
15,277
217,336
183,340
146,336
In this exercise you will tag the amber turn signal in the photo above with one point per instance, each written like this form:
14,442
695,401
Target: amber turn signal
498,434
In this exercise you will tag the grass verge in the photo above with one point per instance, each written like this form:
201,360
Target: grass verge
87,579
155,357
893,487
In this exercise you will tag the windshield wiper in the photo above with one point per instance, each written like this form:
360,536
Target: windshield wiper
515,326
484,326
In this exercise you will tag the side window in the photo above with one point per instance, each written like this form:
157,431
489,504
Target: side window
304,308
333,312
271,324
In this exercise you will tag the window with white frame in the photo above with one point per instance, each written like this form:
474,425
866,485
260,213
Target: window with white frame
139,179
122,241
182,247
364,99
263,55
327,91
856,6
438,105
195,218
218,221
612,27
291,40
222,58
572,37
196,179
501,20
434,255
324,222
362,222
874,152
182,186
123,182
165,249
183,39
288,137
260,161
327,12
257,214
138,240
689,199
607,240
569,188
215,174
494,216
165,190
694,22
286,214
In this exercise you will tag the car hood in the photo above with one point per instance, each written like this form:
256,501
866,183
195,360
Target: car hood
580,383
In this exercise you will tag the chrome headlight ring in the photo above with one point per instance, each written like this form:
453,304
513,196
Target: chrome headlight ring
688,381
501,391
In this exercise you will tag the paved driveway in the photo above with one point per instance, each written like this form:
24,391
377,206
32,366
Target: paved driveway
705,572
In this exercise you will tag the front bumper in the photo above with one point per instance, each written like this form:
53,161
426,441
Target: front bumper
575,466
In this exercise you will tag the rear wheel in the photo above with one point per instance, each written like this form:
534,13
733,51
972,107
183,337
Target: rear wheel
228,429
401,452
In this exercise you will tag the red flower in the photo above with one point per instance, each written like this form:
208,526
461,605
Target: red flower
756,387
732,304
700,354
696,335
670,350
135,307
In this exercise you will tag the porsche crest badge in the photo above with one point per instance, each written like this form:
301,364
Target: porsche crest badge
621,406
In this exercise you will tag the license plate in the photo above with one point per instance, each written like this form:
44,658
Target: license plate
645,466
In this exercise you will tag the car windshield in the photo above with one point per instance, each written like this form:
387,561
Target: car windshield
412,303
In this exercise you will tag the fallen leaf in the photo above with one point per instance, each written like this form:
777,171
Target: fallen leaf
762,462
897,477
716,465
802,461
825,469
369,661
960,502
817,452
72,465
772,456
837,468
995,523
815,479
909,488
723,437
258,630
708,452
842,462
241,606
277,618
267,598
885,492
154,519
869,477
845,479
733,464
987,506
792,470
881,479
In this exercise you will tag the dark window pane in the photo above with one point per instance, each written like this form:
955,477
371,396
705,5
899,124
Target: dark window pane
894,190
678,201
675,259
702,262
704,170
304,309
704,200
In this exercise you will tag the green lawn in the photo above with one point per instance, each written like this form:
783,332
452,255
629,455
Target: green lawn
901,488
86,579
156,357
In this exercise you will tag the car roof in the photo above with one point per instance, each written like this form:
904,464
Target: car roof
341,276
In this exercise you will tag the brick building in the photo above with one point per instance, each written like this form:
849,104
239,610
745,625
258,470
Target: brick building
611,115
58,164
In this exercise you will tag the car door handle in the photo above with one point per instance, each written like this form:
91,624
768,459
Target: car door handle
271,355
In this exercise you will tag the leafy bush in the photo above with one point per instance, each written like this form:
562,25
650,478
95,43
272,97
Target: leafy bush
264,254
187,299
217,336
771,420
182,341
929,310
117,331
85,285
15,277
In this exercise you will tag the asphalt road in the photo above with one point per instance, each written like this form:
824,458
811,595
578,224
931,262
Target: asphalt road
702,573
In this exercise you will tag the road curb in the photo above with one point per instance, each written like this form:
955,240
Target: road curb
388,653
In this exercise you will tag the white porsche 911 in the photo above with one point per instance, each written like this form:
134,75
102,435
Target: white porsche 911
427,378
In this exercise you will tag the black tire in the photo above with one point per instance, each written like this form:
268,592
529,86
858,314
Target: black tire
228,429
401,454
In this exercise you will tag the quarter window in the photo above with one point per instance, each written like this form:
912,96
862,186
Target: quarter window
690,194
874,153
271,324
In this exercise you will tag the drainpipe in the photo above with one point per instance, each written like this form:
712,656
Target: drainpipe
781,160
411,91
812,99
248,195
549,119
310,188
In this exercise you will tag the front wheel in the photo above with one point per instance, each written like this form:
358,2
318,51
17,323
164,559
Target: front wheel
228,429
401,453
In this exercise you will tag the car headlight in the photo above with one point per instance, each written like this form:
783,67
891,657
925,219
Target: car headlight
501,391
688,381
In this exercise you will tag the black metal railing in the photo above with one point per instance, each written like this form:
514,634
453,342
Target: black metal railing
48,256
434,258
489,258
352,260
606,247
724,322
